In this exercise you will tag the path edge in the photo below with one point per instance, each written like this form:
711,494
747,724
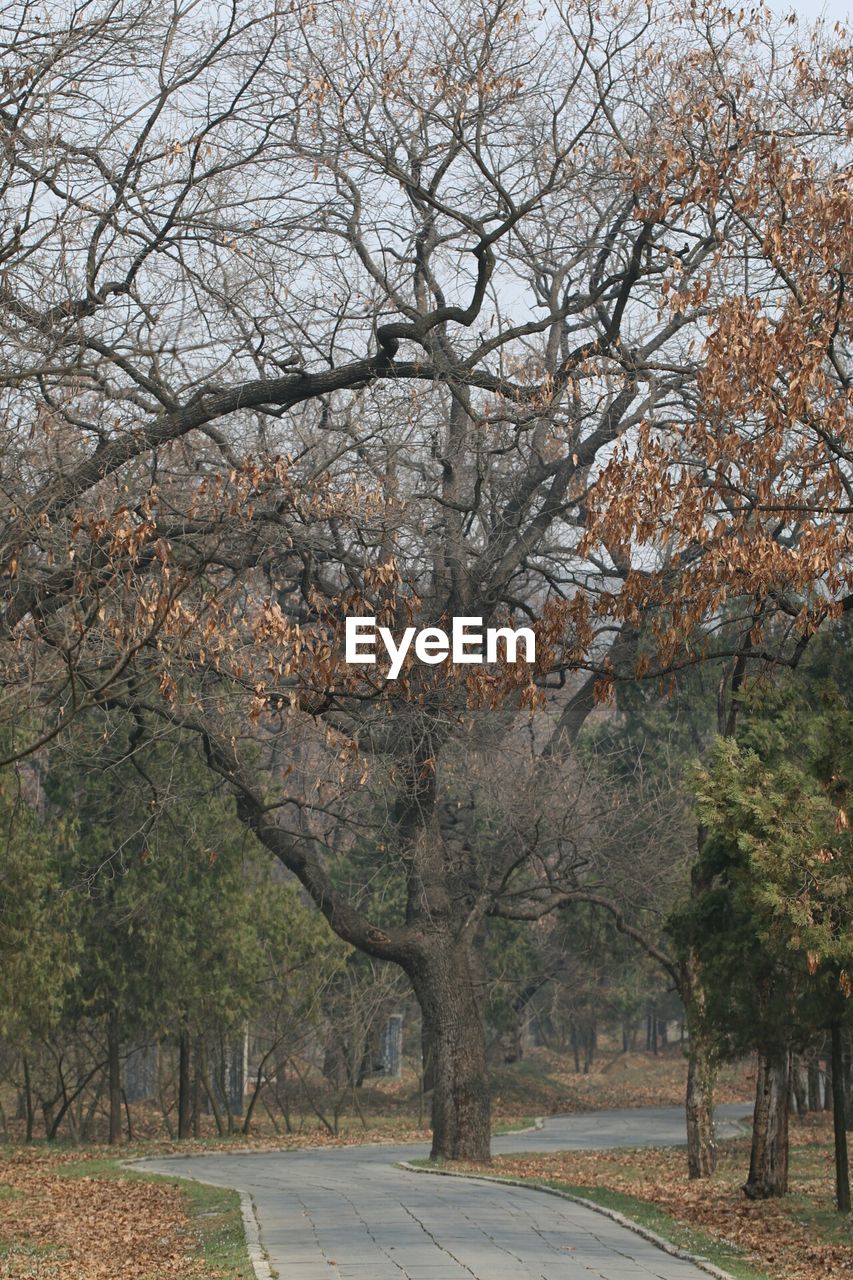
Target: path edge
651,1236
538,1123
252,1231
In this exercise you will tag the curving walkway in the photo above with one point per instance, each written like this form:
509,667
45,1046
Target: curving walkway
347,1213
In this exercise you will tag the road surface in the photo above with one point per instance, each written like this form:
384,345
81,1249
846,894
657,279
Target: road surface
347,1213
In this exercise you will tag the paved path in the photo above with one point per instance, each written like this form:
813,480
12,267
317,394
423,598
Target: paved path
347,1213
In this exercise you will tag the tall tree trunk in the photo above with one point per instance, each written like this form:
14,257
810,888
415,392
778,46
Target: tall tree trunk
114,1076
589,1044
813,1079
195,1089
827,1084
701,1074
842,1167
798,1088
701,1133
161,1094
28,1099
847,1059
444,983
184,1108
576,1048
768,1165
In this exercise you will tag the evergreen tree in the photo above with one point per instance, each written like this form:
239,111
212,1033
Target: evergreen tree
773,924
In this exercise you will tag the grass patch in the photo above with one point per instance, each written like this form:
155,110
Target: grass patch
514,1126
216,1216
24,1252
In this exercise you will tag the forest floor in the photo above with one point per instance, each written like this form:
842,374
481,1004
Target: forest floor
75,1212
79,1215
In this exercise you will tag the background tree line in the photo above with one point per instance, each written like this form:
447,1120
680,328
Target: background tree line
131,919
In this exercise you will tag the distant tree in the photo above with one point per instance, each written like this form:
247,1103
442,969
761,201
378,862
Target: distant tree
183,930
301,959
40,947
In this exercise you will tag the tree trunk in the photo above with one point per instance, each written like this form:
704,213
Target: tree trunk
827,1084
444,983
161,1094
701,1135
114,1076
847,1059
576,1048
701,1074
427,1057
209,1086
798,1088
184,1109
28,1100
842,1167
768,1165
195,1090
256,1091
813,1079
590,1047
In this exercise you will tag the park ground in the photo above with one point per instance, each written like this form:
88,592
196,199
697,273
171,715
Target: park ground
77,1211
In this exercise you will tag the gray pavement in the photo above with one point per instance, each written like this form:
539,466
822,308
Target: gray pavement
348,1213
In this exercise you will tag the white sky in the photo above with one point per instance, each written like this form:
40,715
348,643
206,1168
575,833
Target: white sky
832,10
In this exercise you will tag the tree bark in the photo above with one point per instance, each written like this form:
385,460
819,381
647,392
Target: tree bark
842,1167
447,992
427,1057
701,1075
701,1134
184,1049
847,1060
768,1165
114,1076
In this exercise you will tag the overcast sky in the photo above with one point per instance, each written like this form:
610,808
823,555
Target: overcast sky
830,9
